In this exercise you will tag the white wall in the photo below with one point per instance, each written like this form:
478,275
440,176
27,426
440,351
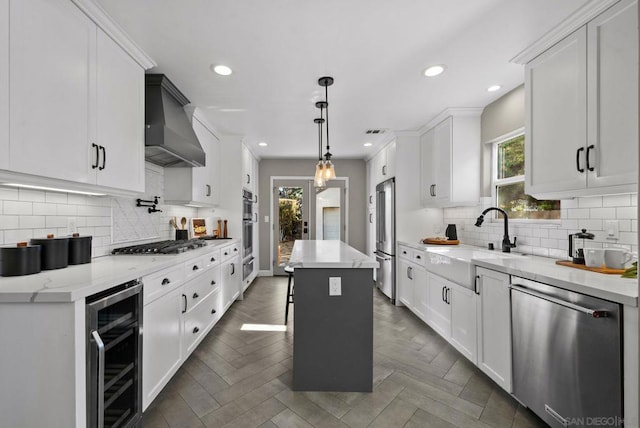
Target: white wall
329,197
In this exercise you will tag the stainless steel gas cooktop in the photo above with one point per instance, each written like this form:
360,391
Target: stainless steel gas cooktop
162,247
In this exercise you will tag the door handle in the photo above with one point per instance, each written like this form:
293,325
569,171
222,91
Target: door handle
592,312
248,179
581,149
370,218
104,157
184,300
95,146
233,268
475,285
100,344
442,294
208,190
409,270
589,167
446,295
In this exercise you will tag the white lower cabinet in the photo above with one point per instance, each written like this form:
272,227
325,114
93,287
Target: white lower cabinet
181,305
494,326
439,314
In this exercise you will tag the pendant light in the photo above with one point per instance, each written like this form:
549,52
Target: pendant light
318,180
329,170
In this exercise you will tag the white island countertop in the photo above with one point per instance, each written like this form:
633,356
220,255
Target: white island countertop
329,254
77,282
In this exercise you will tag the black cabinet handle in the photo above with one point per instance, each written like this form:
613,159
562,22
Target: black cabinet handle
213,282
226,254
442,294
95,146
195,330
370,218
184,298
384,170
589,167
581,149
208,190
235,249
370,199
195,267
104,157
233,268
434,191
248,179
165,281
446,295
213,311
213,259
418,257
196,295
409,270
475,285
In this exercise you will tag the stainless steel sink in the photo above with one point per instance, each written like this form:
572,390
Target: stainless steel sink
455,264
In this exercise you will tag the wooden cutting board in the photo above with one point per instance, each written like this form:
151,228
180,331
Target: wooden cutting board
436,241
604,270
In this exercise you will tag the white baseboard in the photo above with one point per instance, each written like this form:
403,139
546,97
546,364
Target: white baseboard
265,273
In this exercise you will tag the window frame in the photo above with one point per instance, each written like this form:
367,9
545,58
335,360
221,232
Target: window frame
495,181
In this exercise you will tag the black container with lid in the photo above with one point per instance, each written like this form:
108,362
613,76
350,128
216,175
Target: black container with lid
79,249
20,260
54,253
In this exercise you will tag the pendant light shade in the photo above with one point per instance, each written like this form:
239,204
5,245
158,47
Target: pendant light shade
329,170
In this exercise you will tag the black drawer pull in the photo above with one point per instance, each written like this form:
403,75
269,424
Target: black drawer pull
195,330
213,311
213,259
226,254
195,267
213,282
235,249
165,281
418,257
196,295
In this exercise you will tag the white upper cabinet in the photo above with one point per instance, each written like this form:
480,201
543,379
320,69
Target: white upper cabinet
201,185
383,164
248,173
582,109
80,116
450,158
4,84
52,90
120,117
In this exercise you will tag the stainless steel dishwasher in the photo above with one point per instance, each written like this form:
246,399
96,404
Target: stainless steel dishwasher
567,355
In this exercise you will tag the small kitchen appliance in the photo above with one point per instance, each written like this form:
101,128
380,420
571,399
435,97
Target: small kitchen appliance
451,232
577,245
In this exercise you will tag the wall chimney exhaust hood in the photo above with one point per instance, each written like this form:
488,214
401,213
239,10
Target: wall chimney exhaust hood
169,137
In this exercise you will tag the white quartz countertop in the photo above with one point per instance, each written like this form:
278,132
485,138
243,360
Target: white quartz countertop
328,254
77,282
543,269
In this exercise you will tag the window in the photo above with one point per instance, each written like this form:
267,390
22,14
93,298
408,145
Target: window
508,181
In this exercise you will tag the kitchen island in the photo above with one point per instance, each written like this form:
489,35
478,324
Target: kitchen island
333,317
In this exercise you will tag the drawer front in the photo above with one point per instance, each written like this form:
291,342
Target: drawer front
199,288
157,284
199,321
405,252
418,257
195,266
212,259
229,251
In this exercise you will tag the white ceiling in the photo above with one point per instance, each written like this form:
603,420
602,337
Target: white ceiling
376,50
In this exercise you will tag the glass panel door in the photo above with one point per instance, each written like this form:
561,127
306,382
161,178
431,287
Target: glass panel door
291,218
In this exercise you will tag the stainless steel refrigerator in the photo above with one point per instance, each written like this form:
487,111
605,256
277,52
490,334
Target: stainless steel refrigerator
386,238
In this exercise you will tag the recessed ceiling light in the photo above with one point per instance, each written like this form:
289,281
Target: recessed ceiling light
434,70
493,88
368,144
222,70
262,144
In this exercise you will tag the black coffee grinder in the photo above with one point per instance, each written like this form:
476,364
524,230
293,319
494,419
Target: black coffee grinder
577,246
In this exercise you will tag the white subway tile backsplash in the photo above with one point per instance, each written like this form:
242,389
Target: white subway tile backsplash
8,194
65,209
54,221
17,208
551,239
56,197
75,199
44,209
591,202
9,222
31,222
17,235
30,195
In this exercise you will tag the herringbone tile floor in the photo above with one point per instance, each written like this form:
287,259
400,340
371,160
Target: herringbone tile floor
243,378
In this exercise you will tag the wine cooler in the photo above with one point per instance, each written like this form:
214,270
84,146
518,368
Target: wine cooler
114,357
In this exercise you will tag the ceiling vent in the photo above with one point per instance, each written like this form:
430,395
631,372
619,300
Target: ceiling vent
375,131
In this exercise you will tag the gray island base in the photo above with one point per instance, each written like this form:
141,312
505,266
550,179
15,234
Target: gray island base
333,334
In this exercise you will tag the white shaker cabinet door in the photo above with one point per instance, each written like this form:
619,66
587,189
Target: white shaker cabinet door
494,326
420,292
120,117
613,96
439,314
161,343
442,158
405,283
463,321
427,178
206,187
52,85
4,84
556,127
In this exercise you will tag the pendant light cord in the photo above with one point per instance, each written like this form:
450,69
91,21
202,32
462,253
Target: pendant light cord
326,99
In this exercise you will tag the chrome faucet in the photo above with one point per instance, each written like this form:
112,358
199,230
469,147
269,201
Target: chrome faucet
506,242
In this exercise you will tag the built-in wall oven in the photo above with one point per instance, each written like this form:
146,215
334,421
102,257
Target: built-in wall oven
247,233
114,357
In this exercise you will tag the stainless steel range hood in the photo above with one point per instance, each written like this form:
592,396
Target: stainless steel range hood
169,137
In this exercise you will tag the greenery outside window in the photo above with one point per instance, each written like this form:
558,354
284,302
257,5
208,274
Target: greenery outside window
508,184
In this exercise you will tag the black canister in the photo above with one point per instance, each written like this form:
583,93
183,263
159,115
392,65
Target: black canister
451,232
20,260
79,249
54,253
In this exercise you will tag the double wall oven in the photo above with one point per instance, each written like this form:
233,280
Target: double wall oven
248,218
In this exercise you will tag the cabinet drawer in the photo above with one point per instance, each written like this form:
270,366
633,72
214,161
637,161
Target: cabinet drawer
228,252
199,288
198,322
418,257
405,252
195,266
212,258
159,283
